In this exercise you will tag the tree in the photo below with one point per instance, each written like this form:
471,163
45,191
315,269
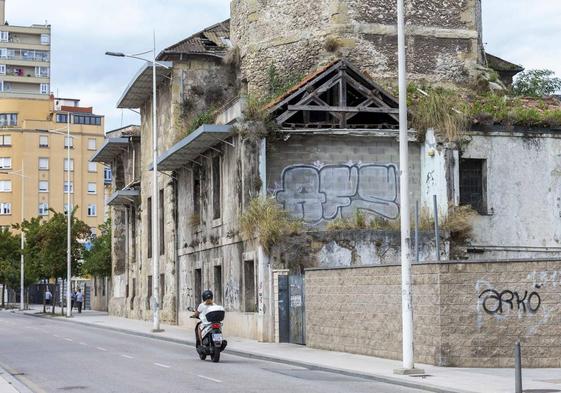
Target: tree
9,260
536,83
97,260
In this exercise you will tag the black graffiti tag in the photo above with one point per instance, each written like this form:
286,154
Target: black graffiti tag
495,302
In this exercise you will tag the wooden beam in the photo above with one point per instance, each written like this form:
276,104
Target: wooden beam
346,109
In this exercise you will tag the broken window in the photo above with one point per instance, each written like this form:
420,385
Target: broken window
198,286
216,187
473,183
249,286
218,284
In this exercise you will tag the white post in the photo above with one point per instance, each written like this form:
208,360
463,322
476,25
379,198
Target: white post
22,258
406,295
155,206
68,227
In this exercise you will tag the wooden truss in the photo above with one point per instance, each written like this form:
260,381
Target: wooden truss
337,97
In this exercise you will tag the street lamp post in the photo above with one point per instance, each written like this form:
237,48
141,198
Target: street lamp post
155,193
68,215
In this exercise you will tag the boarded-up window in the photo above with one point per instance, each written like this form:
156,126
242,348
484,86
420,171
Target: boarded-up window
249,286
216,187
473,184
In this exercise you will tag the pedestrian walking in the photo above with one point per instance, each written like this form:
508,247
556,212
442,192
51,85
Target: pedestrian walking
73,299
79,300
48,296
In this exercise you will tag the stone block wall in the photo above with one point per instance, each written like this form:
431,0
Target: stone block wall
465,314
294,36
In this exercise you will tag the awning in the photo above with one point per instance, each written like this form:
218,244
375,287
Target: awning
188,149
124,197
140,88
110,149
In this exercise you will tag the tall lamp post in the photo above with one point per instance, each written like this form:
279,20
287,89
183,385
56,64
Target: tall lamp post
21,173
155,194
68,214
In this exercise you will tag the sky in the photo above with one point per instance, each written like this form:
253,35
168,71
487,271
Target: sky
522,31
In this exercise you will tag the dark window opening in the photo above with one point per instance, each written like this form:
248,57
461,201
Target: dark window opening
103,286
149,221
132,221
198,286
196,195
149,287
218,284
249,286
473,184
161,222
162,287
95,286
216,189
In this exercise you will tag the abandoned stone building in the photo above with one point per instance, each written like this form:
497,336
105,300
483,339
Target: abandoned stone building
292,102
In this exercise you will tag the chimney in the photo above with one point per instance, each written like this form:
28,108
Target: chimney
2,12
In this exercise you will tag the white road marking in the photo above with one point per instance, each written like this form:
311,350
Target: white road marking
101,349
68,339
56,335
161,365
127,356
210,379
84,344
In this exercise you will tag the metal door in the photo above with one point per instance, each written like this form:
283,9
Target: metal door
284,312
297,321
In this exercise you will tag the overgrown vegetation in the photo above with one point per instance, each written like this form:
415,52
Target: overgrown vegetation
265,220
536,83
9,261
332,44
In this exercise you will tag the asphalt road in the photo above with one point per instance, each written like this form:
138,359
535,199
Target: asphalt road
56,356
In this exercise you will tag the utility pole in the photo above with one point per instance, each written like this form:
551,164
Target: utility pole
22,258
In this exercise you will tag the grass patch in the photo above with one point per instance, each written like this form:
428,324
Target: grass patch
265,220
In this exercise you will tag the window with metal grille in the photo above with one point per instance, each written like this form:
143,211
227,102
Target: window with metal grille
473,183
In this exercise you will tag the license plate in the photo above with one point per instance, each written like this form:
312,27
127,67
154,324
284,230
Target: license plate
216,337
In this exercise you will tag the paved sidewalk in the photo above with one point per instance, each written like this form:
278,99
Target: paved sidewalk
438,379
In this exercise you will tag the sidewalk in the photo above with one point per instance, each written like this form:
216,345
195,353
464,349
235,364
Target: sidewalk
438,379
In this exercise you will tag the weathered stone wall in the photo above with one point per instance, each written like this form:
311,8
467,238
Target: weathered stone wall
345,248
457,321
443,38
523,194
314,176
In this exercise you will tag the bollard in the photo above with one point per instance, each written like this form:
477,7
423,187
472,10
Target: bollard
517,367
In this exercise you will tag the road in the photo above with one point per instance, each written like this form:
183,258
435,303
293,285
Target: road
56,356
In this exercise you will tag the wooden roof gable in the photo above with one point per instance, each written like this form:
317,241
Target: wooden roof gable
337,97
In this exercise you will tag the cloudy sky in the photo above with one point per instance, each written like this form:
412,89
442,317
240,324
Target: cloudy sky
522,31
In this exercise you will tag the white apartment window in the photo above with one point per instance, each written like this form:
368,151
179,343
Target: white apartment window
43,186
43,141
107,176
5,86
92,210
92,188
42,72
66,164
92,167
91,144
61,118
43,164
5,208
8,119
66,187
45,39
43,209
44,88
5,186
3,69
68,142
5,140
4,36
3,53
5,163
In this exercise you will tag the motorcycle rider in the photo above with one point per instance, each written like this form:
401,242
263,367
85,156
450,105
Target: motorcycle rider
208,300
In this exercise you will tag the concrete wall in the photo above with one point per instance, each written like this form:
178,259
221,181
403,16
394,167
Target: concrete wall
444,39
523,194
456,312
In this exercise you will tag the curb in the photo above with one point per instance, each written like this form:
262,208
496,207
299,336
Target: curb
253,355
11,378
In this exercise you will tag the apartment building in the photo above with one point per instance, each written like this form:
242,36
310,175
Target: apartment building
34,162
25,58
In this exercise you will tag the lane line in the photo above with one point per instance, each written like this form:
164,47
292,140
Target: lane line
161,365
210,379
68,339
56,335
101,349
84,344
127,356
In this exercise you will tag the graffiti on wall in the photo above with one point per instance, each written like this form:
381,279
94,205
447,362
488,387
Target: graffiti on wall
324,192
495,302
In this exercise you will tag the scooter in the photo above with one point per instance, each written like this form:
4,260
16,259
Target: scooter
213,342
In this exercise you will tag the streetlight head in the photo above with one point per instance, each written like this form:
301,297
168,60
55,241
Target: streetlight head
115,54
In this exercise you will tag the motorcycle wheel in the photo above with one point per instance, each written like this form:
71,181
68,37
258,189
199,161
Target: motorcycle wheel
202,356
215,356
